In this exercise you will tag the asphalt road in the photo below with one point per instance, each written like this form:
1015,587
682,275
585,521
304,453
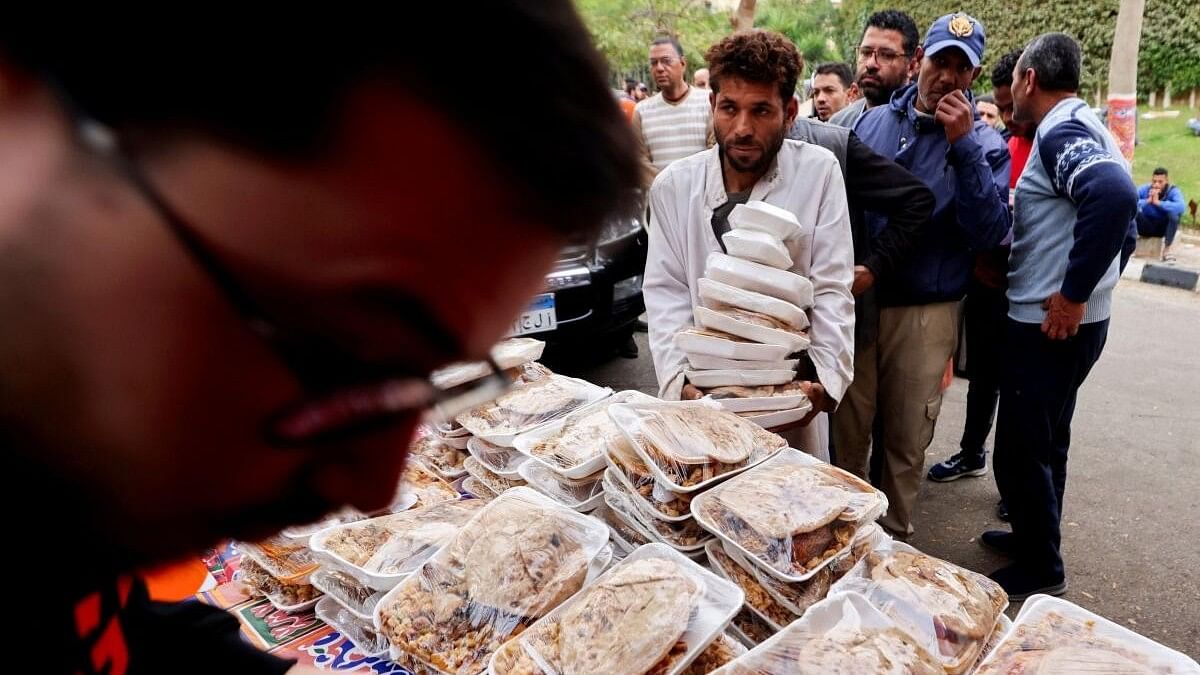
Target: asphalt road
1132,514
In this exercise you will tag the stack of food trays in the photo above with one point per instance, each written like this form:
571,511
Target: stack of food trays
494,464
752,320
1051,635
361,561
517,559
953,611
279,569
565,458
656,611
443,446
841,634
671,453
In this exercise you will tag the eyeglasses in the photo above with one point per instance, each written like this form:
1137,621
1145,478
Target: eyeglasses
883,57
345,397
666,62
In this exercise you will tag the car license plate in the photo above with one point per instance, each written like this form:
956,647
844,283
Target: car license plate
539,318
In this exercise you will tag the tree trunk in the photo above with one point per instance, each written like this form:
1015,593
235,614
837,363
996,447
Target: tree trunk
1122,75
743,18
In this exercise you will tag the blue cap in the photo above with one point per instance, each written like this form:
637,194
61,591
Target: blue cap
956,30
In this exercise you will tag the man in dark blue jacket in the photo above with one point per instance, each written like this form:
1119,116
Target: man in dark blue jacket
930,128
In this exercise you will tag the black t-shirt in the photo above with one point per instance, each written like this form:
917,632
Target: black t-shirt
720,216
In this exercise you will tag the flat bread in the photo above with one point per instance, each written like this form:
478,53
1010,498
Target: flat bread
781,505
525,562
1093,661
628,621
694,434
966,604
850,651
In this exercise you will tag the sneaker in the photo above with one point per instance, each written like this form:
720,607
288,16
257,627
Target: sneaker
958,466
999,541
1019,583
1002,510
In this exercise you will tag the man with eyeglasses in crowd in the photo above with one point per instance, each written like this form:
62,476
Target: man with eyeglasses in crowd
254,254
930,128
675,122
887,61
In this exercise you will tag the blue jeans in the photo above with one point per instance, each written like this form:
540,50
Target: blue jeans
1158,227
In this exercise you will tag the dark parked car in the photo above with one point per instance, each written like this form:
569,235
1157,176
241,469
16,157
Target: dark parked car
594,293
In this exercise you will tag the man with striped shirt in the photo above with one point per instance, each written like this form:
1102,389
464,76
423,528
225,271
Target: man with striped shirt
675,122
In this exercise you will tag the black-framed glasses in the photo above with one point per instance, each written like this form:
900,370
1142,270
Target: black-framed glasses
883,57
344,396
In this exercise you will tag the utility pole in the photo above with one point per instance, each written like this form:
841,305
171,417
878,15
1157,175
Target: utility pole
1122,75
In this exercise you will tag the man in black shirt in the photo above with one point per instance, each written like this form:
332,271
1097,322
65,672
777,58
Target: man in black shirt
239,250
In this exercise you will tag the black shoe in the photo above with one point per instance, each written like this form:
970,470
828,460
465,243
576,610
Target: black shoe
999,541
959,465
1019,583
1002,511
641,327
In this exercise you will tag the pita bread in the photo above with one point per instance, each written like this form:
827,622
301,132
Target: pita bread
697,434
629,621
780,505
1090,660
966,604
526,561
853,652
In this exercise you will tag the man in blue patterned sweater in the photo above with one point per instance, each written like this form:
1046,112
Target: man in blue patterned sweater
1074,205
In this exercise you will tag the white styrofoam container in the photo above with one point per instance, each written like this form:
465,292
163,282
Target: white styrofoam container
693,342
714,320
758,247
739,378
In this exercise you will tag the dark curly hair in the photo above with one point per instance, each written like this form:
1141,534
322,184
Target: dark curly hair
758,56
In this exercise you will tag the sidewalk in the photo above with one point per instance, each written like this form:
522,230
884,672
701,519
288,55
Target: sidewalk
1187,257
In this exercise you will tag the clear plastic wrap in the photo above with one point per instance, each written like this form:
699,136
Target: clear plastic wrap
653,612
625,536
425,487
287,596
288,560
758,599
758,247
752,276
520,557
477,489
434,452
574,446
752,326
704,362
798,596
842,634
722,650
491,481
759,399
763,217
933,600
726,346
381,551
750,628
529,405
579,495
717,296
354,628
511,353
353,595
504,462
1053,636
792,515
690,445
684,535
631,473
301,533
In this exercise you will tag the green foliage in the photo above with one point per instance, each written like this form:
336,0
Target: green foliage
810,24
1170,45
623,30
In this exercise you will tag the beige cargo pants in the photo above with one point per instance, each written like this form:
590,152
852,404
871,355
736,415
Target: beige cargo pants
899,377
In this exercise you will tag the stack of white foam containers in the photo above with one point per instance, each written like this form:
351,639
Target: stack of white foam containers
753,319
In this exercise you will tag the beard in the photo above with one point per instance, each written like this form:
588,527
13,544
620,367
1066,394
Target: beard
769,150
880,91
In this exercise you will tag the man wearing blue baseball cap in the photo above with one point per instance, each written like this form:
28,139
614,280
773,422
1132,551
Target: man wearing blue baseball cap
931,128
